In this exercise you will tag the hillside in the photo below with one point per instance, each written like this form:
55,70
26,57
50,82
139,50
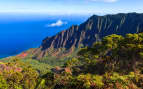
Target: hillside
116,62
95,28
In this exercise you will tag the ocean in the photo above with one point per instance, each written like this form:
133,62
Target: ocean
20,32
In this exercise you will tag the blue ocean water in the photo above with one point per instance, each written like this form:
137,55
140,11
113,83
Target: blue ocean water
21,32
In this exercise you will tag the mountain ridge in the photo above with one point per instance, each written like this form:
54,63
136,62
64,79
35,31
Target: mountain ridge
87,33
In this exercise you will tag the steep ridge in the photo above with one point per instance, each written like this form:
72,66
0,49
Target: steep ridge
95,28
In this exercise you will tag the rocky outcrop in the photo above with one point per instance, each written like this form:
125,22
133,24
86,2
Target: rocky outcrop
94,29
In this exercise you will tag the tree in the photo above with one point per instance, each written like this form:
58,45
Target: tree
115,52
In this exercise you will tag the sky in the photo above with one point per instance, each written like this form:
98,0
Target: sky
58,7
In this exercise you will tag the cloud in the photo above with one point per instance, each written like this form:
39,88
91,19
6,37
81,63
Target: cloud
110,1
57,24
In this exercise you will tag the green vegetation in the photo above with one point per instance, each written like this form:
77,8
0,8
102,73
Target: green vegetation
17,75
116,62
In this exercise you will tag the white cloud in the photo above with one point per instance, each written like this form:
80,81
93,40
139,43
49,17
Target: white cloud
57,24
110,1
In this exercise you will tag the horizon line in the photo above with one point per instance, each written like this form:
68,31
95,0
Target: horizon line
68,14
